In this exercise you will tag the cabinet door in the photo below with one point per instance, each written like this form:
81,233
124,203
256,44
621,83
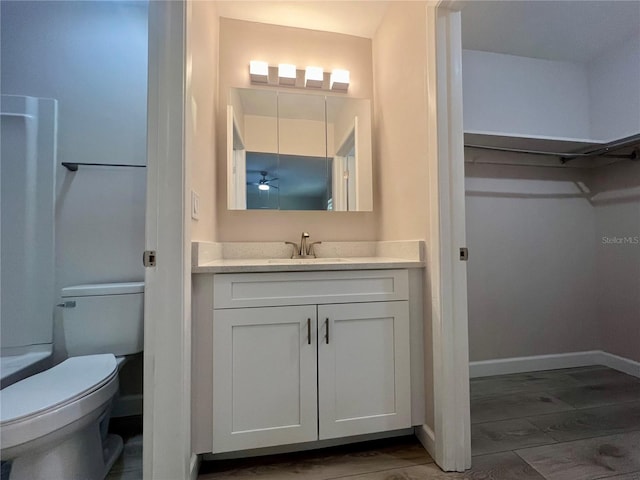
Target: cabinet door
363,368
264,377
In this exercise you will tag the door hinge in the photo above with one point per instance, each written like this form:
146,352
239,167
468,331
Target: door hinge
149,258
67,304
464,254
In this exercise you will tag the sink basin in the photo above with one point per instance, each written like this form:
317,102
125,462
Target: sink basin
303,261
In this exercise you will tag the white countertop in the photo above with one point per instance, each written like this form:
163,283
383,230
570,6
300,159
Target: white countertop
249,257
251,265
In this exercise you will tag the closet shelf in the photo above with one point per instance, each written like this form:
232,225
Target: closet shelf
535,143
565,149
73,166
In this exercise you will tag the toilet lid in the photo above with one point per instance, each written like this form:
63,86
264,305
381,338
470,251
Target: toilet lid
71,379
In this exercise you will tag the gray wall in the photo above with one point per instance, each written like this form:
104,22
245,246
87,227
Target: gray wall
617,212
542,277
614,101
531,270
92,58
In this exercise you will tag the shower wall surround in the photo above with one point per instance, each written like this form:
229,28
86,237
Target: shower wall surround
28,182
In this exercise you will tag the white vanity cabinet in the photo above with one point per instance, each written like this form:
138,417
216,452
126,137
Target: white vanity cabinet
363,368
265,377
304,356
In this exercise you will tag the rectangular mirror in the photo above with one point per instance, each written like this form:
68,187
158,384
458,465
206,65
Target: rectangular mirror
296,151
349,153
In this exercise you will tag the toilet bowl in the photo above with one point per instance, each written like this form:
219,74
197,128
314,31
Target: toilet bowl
53,425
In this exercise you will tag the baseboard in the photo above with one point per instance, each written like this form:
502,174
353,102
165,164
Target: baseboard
505,366
625,365
194,466
427,438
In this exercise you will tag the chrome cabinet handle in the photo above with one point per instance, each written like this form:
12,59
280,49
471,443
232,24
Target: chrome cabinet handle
326,337
308,331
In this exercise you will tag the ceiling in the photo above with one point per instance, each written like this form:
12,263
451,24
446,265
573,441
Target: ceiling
569,30
574,31
358,18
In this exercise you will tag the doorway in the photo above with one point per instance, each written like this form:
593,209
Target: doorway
74,95
553,272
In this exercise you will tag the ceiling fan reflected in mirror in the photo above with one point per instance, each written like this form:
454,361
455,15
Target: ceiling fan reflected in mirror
264,183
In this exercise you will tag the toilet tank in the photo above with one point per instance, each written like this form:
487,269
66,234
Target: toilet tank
103,318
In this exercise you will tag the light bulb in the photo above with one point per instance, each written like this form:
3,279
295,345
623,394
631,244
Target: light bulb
259,71
313,77
340,80
287,74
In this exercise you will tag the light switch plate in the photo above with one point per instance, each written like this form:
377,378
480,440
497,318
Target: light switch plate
195,205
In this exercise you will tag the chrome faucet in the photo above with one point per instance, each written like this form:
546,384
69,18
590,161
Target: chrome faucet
305,250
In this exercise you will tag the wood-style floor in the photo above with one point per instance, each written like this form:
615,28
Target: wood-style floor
573,424
129,465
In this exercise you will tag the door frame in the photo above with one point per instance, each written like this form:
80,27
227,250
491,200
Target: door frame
167,307
167,361
450,443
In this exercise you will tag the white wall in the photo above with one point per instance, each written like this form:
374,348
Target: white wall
526,96
201,104
599,100
614,91
532,266
92,58
617,213
200,156
400,144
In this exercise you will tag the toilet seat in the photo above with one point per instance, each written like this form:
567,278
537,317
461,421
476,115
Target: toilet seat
50,400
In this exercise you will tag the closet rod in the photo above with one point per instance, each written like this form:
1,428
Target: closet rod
633,140
530,165
521,150
73,166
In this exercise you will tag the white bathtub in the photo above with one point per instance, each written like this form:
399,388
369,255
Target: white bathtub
21,362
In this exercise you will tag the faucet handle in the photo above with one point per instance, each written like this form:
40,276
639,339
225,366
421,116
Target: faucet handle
296,249
311,251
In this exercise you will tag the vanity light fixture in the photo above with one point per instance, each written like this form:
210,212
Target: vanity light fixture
263,186
286,74
340,80
313,77
259,71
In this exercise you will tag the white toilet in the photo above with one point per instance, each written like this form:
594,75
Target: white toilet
53,424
